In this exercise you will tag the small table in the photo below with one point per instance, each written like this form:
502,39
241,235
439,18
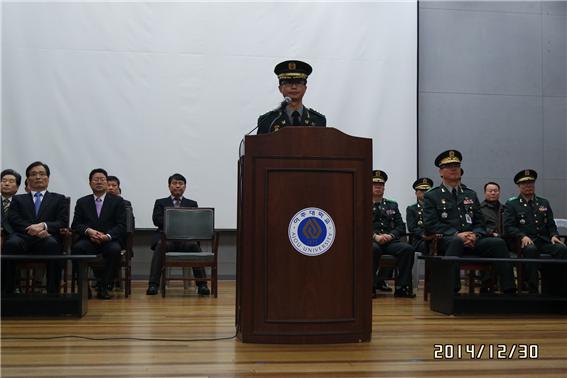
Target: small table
444,300
74,304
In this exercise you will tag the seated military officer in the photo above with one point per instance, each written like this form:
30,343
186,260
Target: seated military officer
292,76
530,218
414,214
453,211
387,227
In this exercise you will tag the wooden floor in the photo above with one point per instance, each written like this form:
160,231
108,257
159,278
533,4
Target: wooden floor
404,334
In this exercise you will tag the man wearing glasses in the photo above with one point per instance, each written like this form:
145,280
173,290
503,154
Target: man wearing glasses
292,76
36,218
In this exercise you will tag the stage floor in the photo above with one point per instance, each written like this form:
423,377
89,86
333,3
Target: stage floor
408,340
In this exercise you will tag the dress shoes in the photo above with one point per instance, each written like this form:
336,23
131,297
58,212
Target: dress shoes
152,290
383,286
203,290
103,294
404,292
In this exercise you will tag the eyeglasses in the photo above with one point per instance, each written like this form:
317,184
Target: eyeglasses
38,174
291,82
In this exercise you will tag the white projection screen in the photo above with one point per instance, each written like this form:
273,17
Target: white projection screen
145,90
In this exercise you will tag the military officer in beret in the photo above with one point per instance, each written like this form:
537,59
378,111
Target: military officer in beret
414,214
530,218
454,212
292,76
387,227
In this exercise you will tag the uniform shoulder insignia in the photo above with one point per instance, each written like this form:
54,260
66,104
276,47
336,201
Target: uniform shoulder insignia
266,115
512,198
391,201
316,113
434,189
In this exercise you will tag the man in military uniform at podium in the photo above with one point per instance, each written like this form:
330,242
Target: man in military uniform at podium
453,211
292,76
530,218
414,215
387,227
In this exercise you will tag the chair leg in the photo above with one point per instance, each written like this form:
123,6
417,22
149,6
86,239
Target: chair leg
214,279
128,283
426,279
163,282
416,270
471,281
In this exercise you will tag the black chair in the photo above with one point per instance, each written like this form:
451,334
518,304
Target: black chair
189,225
124,273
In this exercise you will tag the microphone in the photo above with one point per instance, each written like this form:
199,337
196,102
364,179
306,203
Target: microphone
283,104
279,109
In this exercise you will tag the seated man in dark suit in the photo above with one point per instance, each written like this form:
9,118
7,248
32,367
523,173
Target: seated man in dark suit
100,223
114,188
492,209
36,219
11,181
177,185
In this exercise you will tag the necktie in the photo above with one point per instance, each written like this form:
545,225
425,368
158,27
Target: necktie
5,206
37,202
296,119
176,202
98,203
454,194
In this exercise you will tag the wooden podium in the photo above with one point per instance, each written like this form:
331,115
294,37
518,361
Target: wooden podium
304,253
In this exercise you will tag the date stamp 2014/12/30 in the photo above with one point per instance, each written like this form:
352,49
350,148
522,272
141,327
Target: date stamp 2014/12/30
485,351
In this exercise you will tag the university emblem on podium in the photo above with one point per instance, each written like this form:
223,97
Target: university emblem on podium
311,231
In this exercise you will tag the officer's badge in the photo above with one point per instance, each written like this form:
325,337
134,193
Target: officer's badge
291,66
444,215
451,154
527,172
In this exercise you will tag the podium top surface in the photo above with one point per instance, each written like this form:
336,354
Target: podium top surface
306,141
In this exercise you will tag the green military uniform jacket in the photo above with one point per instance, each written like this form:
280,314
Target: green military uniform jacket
414,219
276,119
386,219
533,219
443,214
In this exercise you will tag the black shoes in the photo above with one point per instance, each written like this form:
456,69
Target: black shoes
102,293
404,292
152,290
203,290
383,286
